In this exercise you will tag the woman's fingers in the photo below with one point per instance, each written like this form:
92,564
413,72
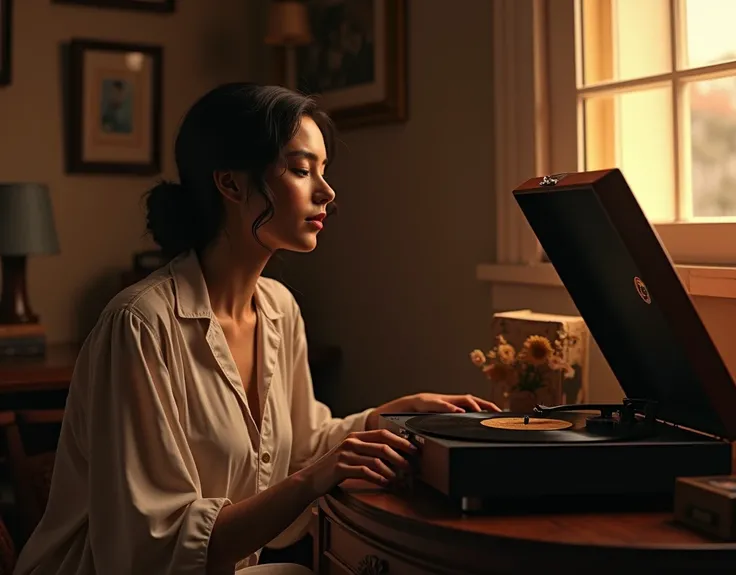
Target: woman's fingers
383,452
376,464
361,472
386,437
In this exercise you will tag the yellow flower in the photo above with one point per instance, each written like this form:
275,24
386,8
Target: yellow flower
506,353
537,349
477,357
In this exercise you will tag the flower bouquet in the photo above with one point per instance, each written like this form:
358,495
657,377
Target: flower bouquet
537,365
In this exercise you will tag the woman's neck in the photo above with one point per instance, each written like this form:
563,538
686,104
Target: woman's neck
231,273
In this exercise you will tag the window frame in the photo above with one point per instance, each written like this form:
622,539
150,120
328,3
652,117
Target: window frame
538,134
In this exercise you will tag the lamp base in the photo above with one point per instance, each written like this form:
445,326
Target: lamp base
15,307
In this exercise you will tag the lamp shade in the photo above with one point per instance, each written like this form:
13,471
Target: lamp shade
288,24
26,220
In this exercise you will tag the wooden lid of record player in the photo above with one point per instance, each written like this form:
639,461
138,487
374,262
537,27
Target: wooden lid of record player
436,533
595,234
567,179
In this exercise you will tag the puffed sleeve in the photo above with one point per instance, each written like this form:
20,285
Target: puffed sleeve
146,510
315,430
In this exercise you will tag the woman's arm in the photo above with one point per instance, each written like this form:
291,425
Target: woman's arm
147,513
244,527
247,526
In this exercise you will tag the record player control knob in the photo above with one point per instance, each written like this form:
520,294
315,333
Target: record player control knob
526,420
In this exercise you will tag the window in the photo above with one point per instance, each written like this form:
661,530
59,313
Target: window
648,86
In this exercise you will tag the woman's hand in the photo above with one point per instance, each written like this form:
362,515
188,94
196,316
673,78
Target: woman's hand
368,455
430,402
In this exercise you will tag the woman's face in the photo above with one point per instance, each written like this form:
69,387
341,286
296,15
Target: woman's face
300,194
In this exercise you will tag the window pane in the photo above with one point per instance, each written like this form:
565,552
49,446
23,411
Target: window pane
624,39
712,105
710,37
634,132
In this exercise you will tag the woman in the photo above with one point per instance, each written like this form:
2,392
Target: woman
191,436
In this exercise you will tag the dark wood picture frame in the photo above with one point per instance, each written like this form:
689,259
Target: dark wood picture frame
6,43
392,107
164,6
77,111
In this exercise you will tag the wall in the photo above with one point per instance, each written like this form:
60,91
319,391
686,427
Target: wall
393,279
99,218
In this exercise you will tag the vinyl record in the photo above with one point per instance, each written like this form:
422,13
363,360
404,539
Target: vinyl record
560,427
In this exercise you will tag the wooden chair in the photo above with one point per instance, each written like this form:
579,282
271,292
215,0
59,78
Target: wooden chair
7,550
8,547
31,447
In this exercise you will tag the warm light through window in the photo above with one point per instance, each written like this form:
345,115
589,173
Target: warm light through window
657,96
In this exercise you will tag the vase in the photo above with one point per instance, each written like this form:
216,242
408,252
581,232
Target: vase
522,401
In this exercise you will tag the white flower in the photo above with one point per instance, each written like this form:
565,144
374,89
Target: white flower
477,357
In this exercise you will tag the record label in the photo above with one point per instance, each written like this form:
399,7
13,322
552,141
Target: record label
526,423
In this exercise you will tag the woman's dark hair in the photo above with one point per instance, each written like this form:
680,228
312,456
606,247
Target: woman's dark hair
238,126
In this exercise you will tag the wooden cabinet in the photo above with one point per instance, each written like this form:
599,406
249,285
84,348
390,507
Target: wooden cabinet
348,551
363,530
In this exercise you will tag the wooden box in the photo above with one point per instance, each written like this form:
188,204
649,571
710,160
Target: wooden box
517,325
707,504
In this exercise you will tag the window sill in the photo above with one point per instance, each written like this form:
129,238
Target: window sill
706,281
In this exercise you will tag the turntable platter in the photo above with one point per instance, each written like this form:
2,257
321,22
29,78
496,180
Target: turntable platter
507,427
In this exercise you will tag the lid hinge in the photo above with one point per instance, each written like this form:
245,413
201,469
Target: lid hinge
552,179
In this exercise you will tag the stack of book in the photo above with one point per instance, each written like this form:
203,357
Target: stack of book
22,340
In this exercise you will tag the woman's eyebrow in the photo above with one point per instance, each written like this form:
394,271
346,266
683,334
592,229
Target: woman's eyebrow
305,154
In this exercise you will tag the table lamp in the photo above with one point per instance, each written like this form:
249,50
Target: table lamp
26,228
288,26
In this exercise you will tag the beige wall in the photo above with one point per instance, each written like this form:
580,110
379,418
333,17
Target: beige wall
393,280
99,218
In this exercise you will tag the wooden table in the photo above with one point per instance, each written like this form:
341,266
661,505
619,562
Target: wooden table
369,531
50,372
38,382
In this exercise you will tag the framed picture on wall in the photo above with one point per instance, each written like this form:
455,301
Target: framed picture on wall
114,108
356,64
6,29
144,5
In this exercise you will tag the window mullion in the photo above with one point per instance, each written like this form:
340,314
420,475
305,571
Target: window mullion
676,85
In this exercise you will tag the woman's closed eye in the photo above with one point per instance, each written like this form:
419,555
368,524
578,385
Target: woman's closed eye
304,173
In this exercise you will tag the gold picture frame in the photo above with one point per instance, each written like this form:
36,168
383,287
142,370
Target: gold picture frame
6,31
139,5
356,65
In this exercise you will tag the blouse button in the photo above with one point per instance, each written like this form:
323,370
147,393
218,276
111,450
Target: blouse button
265,458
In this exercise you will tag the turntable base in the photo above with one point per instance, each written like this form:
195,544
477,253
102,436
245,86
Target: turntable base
364,529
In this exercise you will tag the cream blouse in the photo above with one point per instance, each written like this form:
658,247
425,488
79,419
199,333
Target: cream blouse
157,434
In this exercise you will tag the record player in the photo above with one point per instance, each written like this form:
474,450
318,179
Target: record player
678,416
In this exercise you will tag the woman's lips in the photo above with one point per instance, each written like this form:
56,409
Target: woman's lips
317,220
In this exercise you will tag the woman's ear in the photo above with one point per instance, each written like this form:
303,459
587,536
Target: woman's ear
230,186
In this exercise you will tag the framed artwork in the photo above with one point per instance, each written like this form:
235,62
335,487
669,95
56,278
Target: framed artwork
114,108
356,64
6,18
143,5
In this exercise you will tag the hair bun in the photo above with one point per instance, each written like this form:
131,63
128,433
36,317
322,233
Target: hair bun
170,219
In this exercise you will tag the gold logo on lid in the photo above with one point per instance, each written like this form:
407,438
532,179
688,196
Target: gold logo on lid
641,288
